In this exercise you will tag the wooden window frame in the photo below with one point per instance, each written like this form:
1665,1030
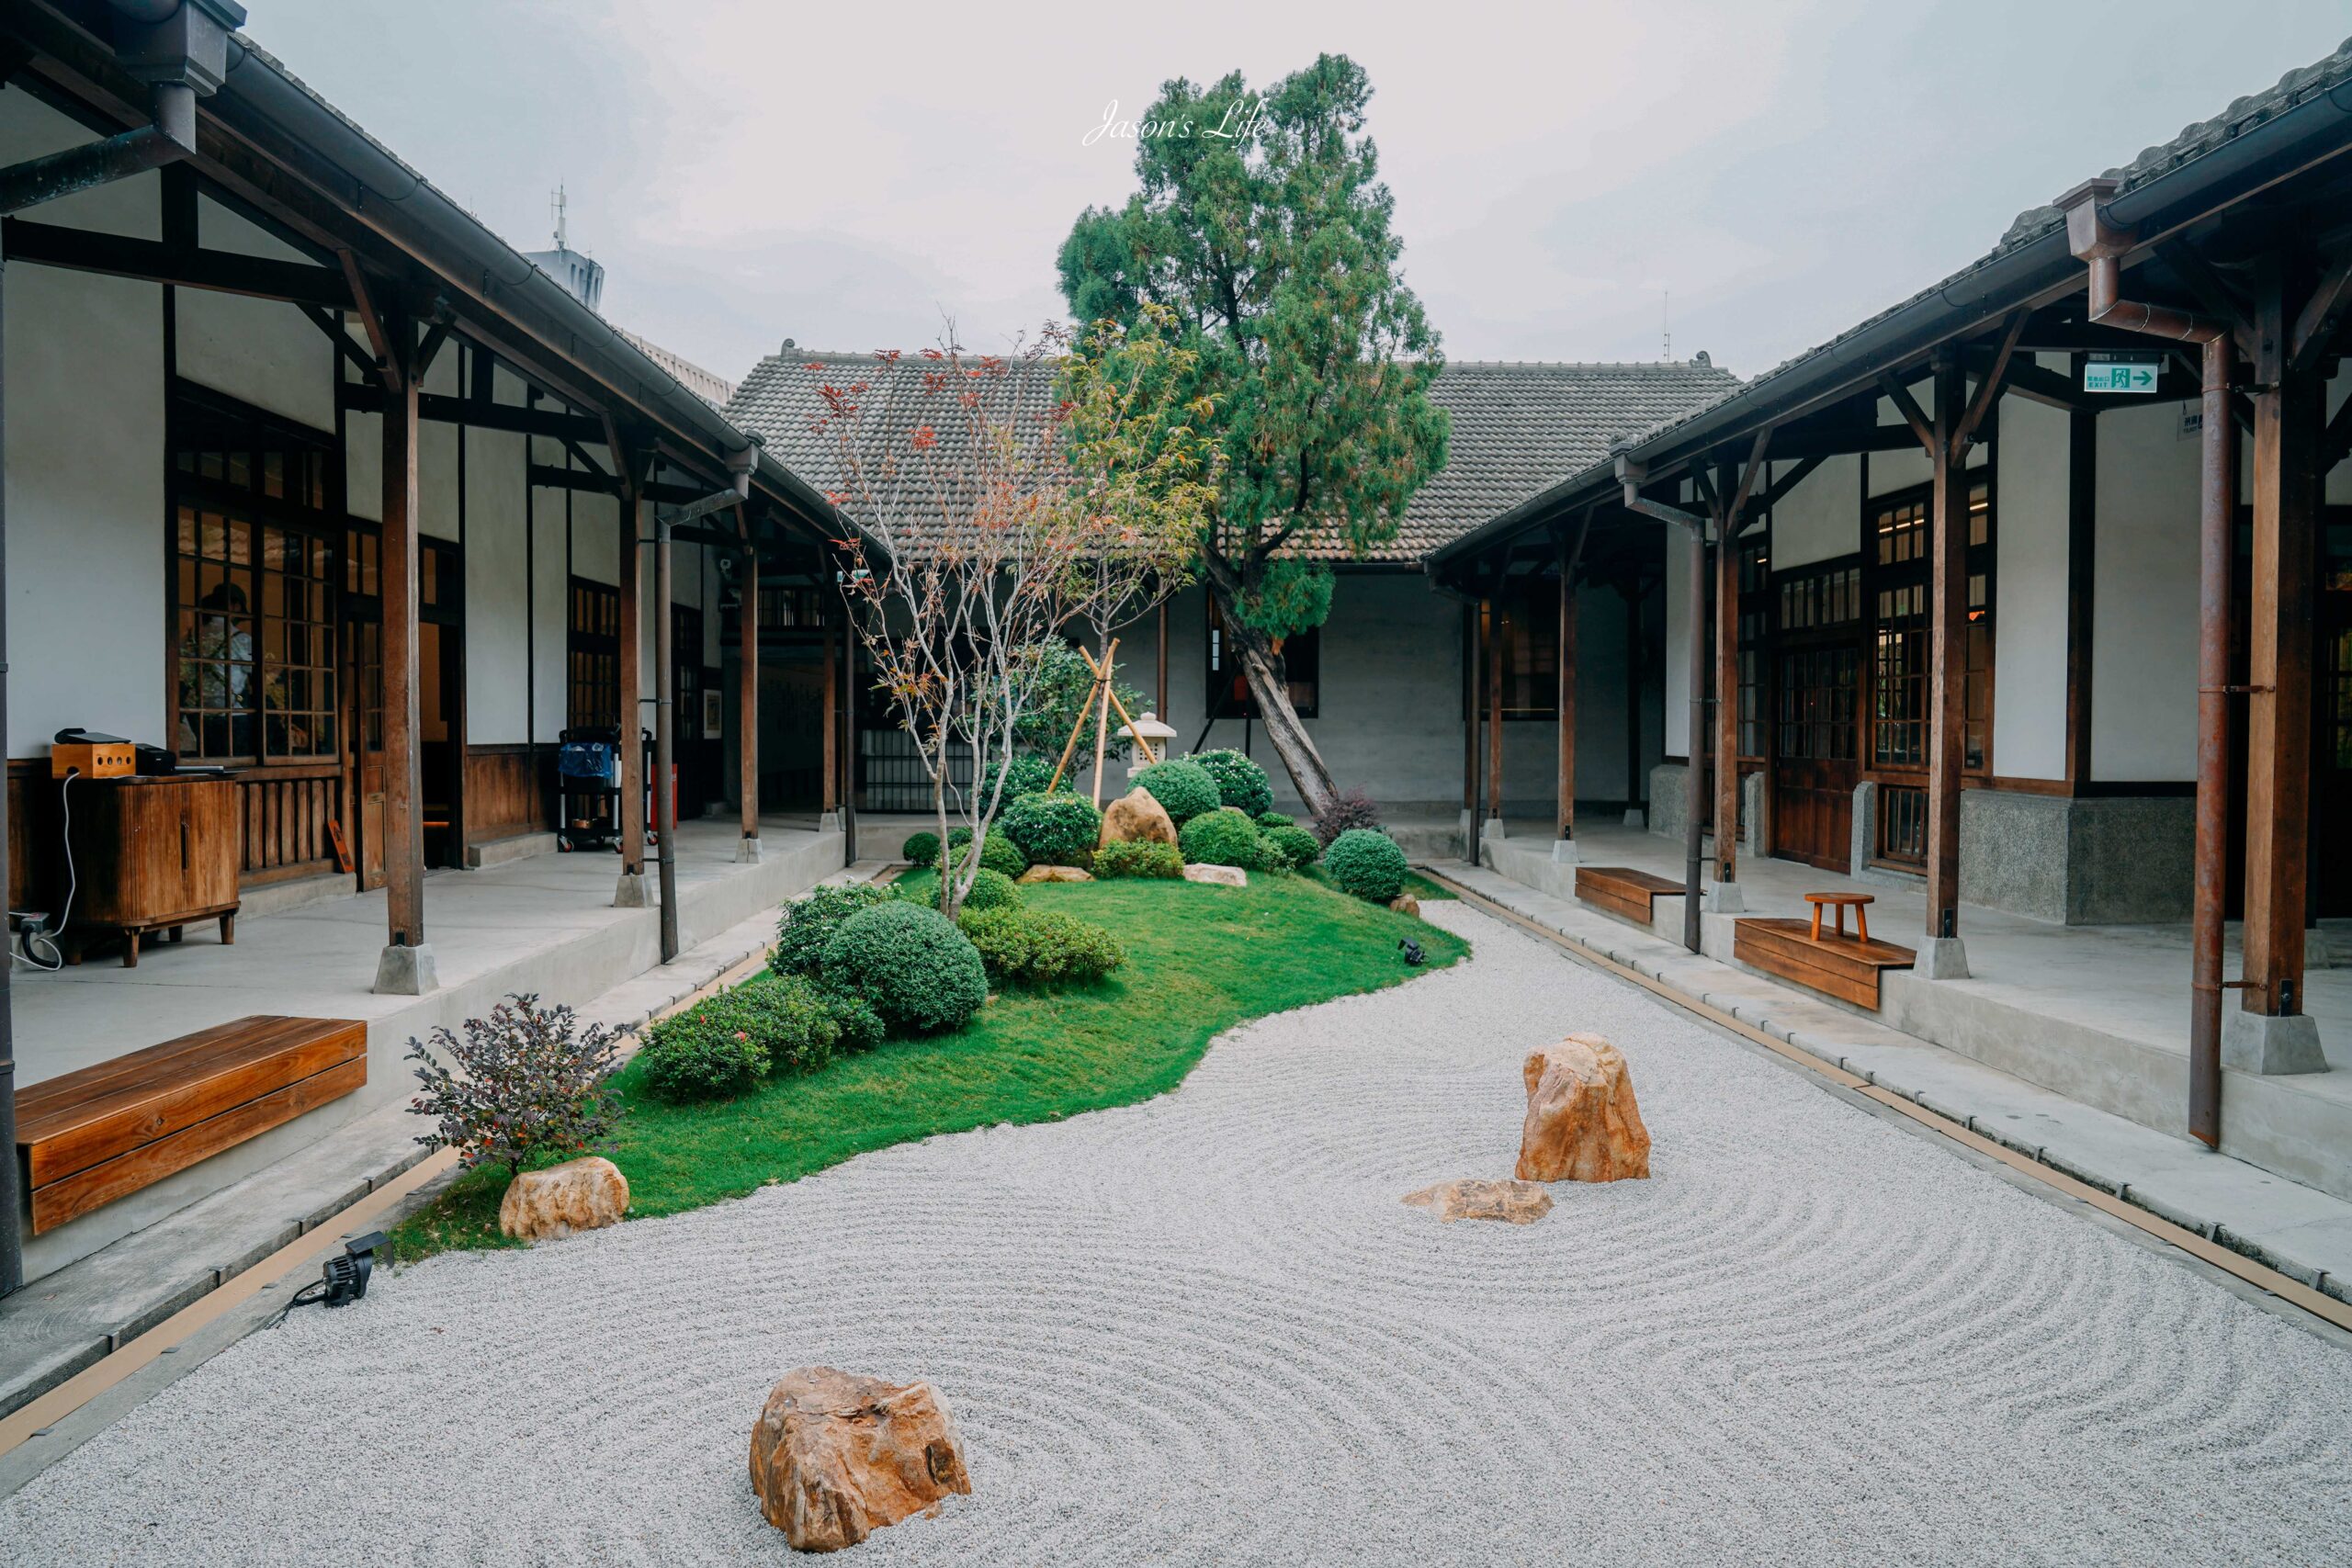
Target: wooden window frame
1229,692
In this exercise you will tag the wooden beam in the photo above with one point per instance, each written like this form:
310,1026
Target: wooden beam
1989,388
440,408
1493,711
154,260
390,362
2034,384
1747,477
831,801
1908,407
330,323
1564,707
1727,680
2082,551
2215,296
2315,323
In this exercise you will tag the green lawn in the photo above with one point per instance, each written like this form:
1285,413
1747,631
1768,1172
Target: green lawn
1200,960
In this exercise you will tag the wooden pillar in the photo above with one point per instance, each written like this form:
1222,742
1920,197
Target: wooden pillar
2289,412
403,757
666,734
2082,551
1474,648
1694,794
631,892
1567,704
832,722
1494,715
1948,636
746,721
849,741
1727,703
1634,787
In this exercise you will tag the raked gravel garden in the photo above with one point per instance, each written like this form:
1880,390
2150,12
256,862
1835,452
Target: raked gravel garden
1137,1221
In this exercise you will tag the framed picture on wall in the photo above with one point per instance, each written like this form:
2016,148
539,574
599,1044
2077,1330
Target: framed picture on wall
712,708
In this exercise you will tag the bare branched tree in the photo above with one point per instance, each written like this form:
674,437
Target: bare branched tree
998,500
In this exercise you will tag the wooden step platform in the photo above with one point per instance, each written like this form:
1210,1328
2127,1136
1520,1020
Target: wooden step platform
1846,967
1623,891
92,1137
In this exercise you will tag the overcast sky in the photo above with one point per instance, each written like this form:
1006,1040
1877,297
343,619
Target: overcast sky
844,174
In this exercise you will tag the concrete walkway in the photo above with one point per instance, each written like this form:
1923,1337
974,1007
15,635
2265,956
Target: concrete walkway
525,926
2304,1233
1204,1329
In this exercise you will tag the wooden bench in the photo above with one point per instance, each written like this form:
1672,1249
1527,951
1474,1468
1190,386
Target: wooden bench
1623,891
1846,967
92,1137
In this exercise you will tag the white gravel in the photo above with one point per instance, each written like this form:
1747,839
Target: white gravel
1205,1330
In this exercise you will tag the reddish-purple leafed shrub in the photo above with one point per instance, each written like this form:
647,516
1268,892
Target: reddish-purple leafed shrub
1353,810
524,1081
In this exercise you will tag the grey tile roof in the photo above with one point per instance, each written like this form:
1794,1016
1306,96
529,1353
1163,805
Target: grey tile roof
1517,428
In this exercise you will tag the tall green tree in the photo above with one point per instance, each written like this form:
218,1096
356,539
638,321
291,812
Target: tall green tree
1261,227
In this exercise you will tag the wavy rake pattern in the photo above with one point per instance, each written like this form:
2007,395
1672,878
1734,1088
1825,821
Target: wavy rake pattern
1204,1330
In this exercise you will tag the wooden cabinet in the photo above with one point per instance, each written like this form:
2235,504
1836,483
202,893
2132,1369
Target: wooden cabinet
152,854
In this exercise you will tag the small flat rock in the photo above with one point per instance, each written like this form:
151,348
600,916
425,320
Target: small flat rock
1223,875
1475,1198
1056,873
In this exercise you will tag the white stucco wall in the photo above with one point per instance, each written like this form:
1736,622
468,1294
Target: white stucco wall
2030,593
2143,610
262,352
497,588
84,373
1678,642
1821,519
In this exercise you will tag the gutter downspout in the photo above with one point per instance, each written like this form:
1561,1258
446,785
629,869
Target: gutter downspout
739,464
2103,245
180,47
1629,474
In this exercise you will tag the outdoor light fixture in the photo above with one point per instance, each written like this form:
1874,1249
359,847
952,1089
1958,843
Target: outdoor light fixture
342,1279
1414,956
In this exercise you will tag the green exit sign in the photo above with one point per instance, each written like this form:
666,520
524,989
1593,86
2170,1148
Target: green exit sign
2115,373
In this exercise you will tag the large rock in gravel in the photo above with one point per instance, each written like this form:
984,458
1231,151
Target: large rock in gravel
1136,819
1056,873
1582,1124
578,1195
1406,903
1513,1203
836,1457
1222,875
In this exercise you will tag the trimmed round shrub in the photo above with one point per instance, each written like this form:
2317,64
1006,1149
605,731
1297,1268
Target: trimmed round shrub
991,890
921,849
1240,782
859,1025
1368,864
997,851
1182,787
1028,773
1224,837
1270,820
1138,858
911,965
1040,947
726,1044
810,921
1297,846
1053,829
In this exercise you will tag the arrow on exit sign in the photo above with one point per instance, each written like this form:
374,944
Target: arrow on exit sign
2122,375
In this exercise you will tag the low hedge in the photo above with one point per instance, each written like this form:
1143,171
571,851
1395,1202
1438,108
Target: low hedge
1182,787
1240,782
724,1044
1270,820
1041,948
1368,864
810,921
1053,829
911,965
1138,858
1297,846
1225,837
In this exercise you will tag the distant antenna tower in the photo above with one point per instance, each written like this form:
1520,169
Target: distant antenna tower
555,207
1664,321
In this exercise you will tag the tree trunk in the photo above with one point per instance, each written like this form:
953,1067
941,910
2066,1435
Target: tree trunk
1261,667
